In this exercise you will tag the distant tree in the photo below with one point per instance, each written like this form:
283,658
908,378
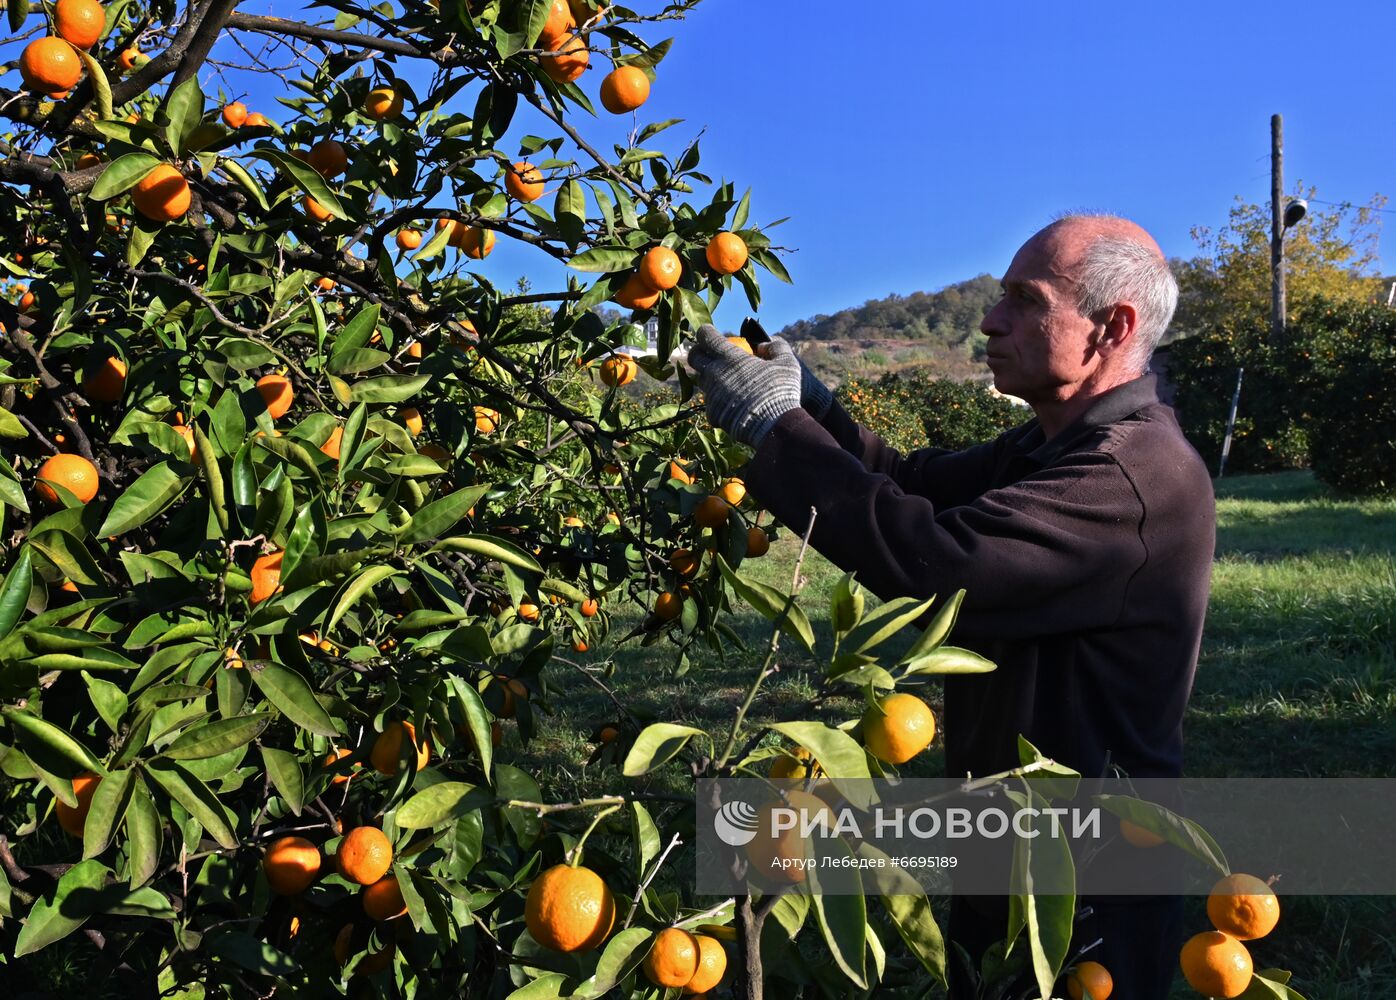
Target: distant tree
1223,323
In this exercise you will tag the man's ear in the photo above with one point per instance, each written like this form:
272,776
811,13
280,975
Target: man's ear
1121,325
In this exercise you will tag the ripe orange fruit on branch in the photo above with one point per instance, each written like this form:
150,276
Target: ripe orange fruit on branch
316,211
524,181
409,239
127,57
571,60
635,294
49,65
559,23
80,22
365,855
477,242
733,491
291,865
1138,836
528,611
712,963
792,766
332,443
618,370
711,512
383,899
73,818
486,420
672,959
624,89
277,394
1089,980
328,157
903,728
412,420
1216,965
387,748
758,543
256,119
105,382
383,103
660,268
162,195
335,756
668,606
73,472
590,607
1244,907
88,160
569,909
266,576
726,253
684,562
679,473
234,114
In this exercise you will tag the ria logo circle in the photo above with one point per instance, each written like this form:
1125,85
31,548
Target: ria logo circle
735,823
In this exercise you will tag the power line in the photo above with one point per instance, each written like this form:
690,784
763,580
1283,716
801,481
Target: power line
1350,204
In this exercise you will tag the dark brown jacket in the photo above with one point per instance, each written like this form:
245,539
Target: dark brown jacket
1086,561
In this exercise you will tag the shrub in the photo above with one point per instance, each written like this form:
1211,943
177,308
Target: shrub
913,408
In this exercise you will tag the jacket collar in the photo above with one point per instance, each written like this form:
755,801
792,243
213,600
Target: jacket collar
1109,408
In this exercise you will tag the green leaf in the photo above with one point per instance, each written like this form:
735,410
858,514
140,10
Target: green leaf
143,834
184,110
441,515
14,593
122,174
145,902
843,920
622,955
604,259
439,804
140,241
291,694
388,388
1177,830
106,811
54,919
195,797
239,173
767,259
949,660
645,836
288,450
51,748
157,487
251,953
357,588
771,604
18,11
1043,859
357,331
96,658
548,986
108,699
488,547
883,623
305,176
839,754
10,427
656,745
938,630
846,604
285,773
910,910
215,738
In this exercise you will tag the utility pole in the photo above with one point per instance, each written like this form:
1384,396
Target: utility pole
1277,229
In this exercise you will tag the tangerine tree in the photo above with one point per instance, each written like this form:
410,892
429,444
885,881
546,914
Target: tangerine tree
301,502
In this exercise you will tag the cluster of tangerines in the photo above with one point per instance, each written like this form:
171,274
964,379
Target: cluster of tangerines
51,65
570,908
661,268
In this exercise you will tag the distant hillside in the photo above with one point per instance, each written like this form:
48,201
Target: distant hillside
940,329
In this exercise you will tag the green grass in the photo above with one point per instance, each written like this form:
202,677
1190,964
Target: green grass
1297,677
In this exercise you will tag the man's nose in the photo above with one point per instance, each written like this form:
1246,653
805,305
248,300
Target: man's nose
992,323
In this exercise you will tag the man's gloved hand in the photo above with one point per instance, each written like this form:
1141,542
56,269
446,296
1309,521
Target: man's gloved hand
745,395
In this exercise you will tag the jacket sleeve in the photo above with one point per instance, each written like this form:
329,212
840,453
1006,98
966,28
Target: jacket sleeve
942,476
1052,553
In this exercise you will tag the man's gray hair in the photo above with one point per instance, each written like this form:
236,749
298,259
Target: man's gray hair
1119,269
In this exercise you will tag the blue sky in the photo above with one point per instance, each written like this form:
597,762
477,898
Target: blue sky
923,144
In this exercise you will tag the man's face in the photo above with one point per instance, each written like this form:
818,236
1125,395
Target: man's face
1039,344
